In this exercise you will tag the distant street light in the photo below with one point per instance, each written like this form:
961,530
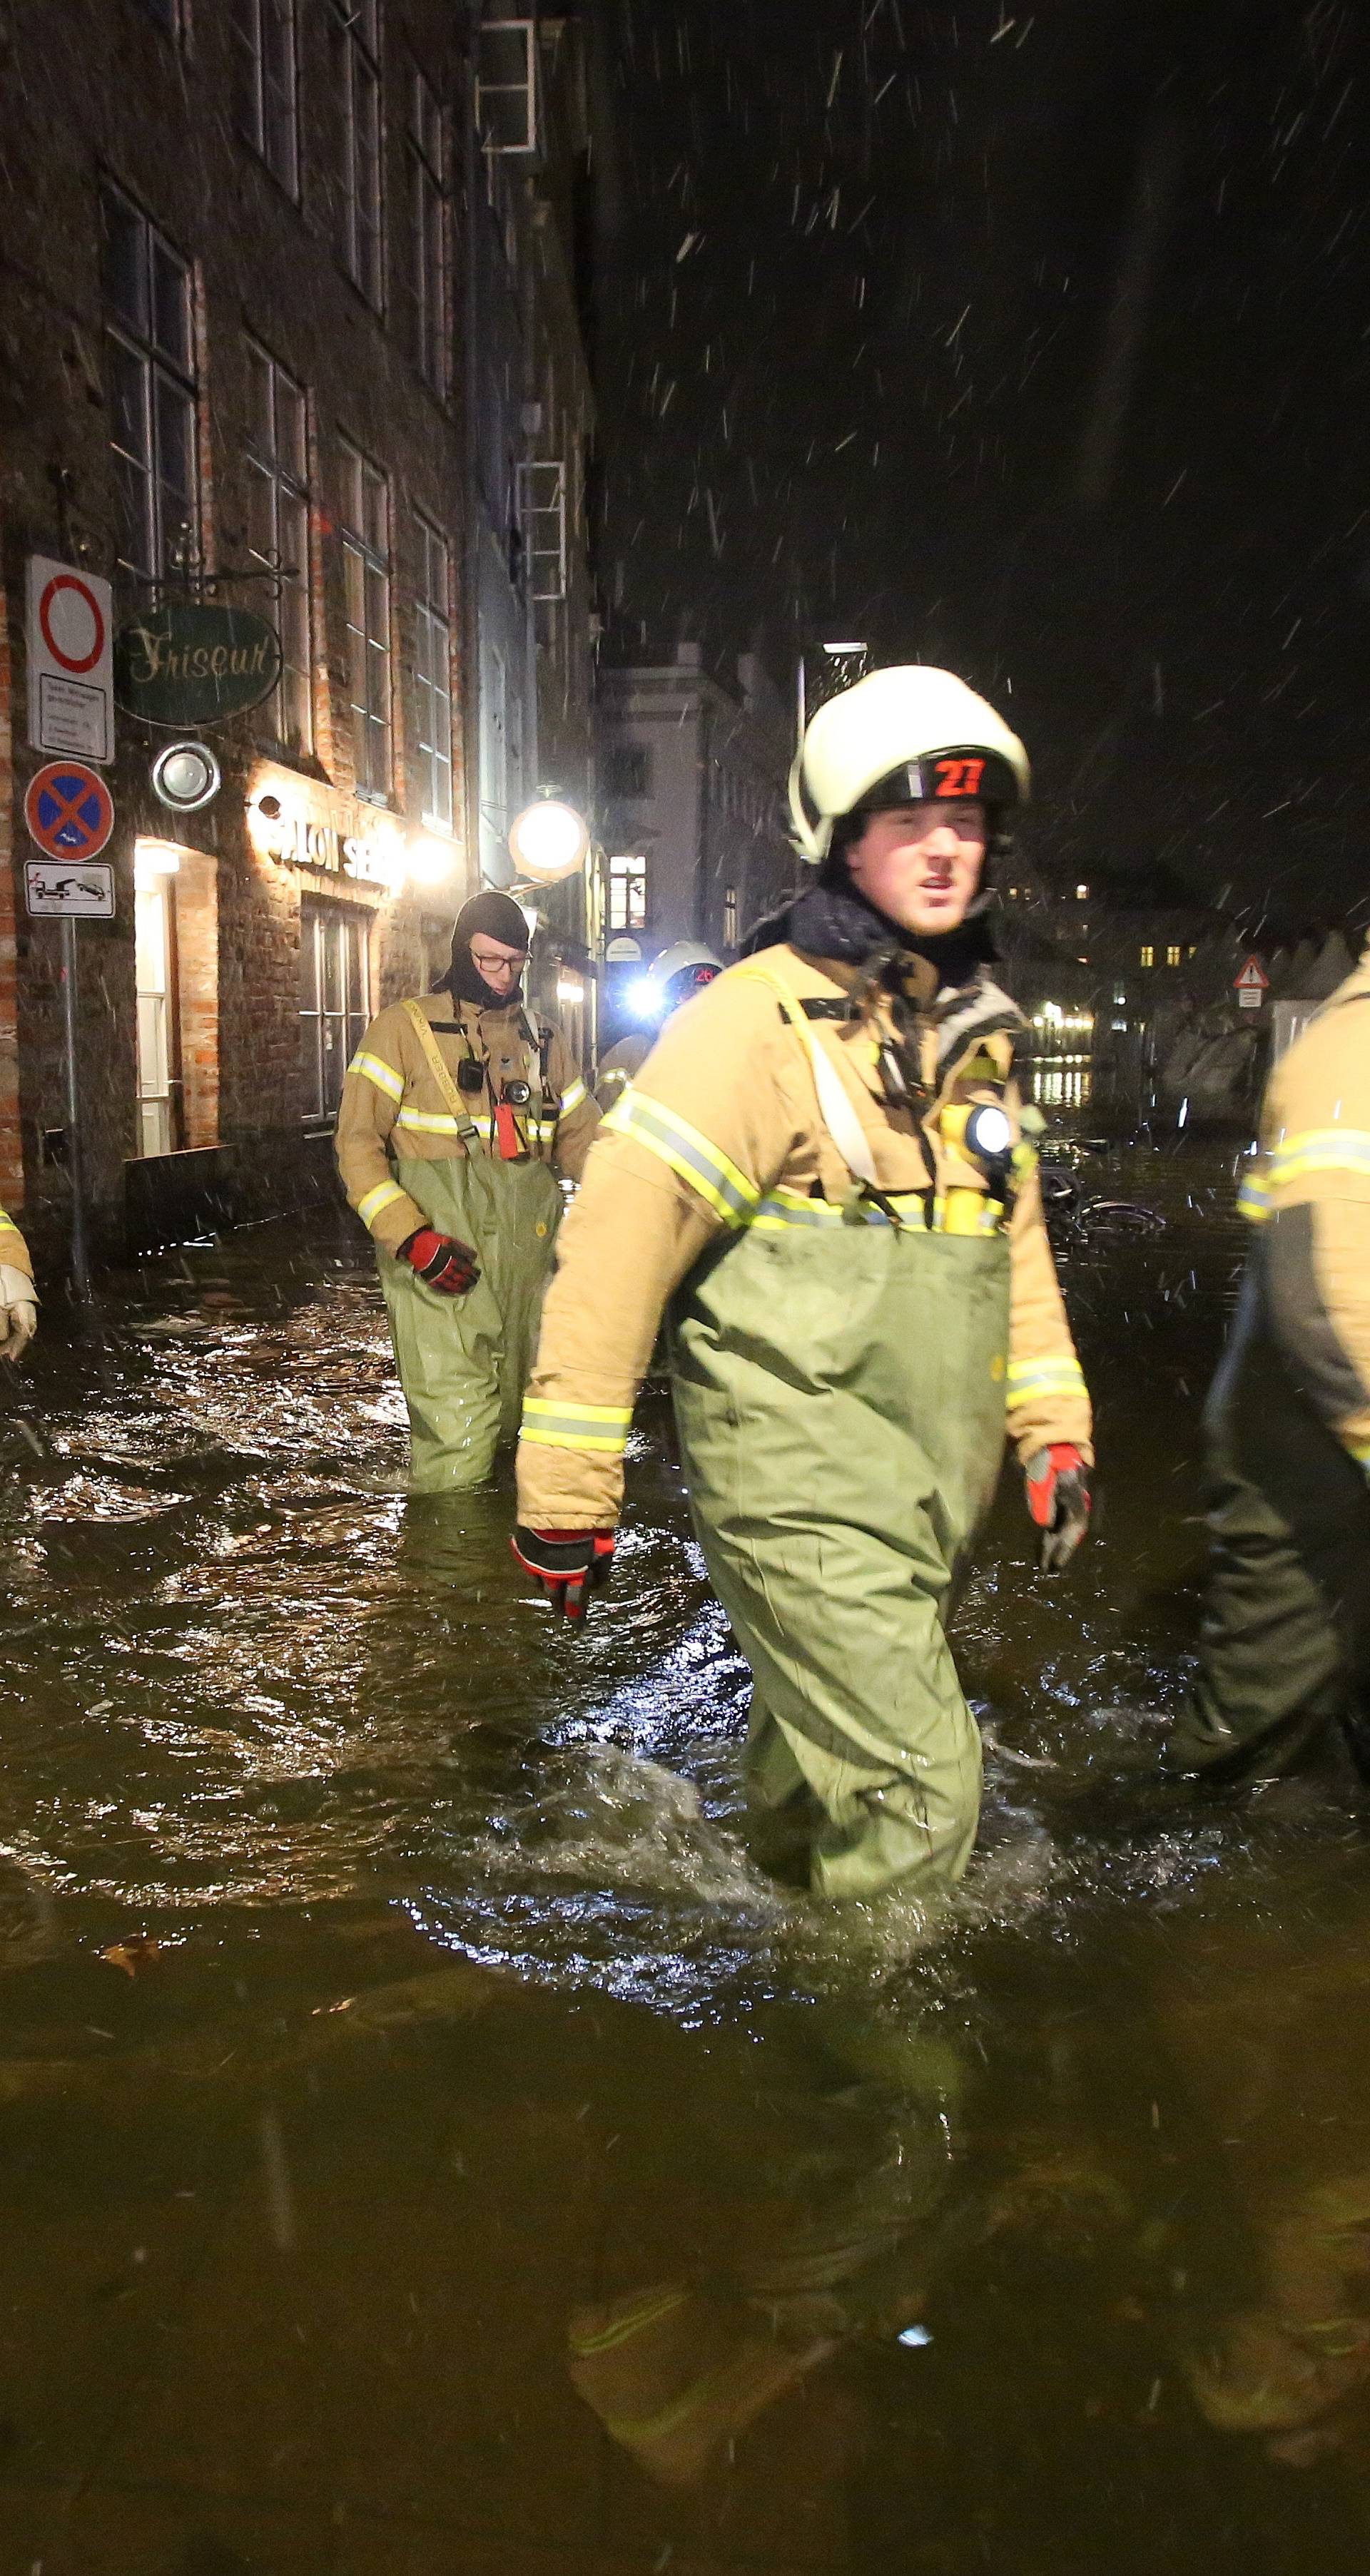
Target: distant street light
549,840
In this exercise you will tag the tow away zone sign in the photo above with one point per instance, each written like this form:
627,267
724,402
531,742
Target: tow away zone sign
69,638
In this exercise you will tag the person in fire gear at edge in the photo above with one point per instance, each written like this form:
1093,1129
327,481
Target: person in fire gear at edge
18,1296
822,1169
1284,1658
457,1112
677,975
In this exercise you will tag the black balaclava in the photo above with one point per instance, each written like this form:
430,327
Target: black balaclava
497,916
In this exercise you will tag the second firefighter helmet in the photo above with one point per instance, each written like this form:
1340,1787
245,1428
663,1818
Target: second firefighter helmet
683,969
896,738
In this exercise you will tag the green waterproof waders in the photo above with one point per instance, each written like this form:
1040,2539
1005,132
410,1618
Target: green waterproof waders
1284,1651
839,1388
464,1361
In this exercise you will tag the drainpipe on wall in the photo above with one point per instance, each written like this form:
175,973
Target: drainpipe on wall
471,528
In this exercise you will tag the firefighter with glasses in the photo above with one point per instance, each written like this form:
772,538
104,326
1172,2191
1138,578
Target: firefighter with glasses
460,1109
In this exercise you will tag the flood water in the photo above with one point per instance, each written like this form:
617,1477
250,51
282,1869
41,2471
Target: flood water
429,2145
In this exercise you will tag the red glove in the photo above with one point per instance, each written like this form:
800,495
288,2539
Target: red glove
1058,1499
447,1265
569,1564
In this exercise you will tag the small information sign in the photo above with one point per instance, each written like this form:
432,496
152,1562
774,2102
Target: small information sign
69,890
69,642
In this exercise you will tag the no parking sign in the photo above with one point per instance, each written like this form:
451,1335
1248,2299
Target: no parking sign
69,810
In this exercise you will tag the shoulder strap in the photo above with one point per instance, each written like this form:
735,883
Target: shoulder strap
836,1108
432,1053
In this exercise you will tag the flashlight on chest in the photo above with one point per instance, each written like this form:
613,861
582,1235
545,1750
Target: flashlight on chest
980,1131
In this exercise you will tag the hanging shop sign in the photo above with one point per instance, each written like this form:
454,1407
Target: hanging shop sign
369,855
194,663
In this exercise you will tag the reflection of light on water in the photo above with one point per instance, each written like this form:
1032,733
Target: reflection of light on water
1063,1082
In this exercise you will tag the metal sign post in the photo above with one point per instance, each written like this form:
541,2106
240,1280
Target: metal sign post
80,1255
70,816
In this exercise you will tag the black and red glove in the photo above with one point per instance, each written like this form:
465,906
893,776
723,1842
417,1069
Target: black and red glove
446,1264
569,1564
1058,1499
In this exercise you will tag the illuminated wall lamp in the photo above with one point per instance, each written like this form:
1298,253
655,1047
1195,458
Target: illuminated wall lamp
153,860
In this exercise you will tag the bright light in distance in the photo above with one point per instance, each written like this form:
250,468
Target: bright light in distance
570,989
549,840
645,999
428,861
152,859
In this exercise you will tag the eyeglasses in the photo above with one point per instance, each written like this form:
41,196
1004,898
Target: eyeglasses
497,961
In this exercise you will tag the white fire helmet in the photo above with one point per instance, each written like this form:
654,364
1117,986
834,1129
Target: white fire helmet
676,975
911,733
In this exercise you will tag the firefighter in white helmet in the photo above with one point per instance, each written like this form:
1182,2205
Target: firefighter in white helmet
677,975
821,1176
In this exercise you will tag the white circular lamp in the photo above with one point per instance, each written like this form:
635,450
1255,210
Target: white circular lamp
549,840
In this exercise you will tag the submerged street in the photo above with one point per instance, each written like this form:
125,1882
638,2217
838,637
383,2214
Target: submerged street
429,2142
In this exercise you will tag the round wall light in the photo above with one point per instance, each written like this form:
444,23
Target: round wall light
186,776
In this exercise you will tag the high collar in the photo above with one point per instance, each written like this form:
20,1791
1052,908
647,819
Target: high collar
836,923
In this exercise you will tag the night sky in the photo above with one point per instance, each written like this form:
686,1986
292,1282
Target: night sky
1031,344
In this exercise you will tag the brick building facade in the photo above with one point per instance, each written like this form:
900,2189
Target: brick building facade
233,304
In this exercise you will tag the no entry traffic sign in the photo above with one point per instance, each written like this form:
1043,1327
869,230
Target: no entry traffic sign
69,810
70,660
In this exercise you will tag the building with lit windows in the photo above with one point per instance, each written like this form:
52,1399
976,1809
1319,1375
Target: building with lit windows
290,308
692,769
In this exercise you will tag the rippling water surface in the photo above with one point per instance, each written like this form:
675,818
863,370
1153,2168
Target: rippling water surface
431,2145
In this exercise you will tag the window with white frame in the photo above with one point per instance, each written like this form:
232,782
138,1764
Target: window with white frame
150,367
366,568
265,100
507,86
333,999
433,675
628,892
427,283
355,49
542,522
278,533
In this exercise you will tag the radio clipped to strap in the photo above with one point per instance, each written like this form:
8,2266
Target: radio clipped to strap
467,1129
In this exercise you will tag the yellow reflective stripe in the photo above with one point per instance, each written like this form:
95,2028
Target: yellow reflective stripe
717,1180
1360,1451
551,1425
432,1122
1044,1377
782,1208
384,1195
1319,1149
378,1071
7,1224
572,1099
1253,1199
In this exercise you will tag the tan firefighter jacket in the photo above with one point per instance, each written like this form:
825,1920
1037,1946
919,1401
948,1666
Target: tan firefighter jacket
14,1252
723,1129
1309,1194
392,1103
